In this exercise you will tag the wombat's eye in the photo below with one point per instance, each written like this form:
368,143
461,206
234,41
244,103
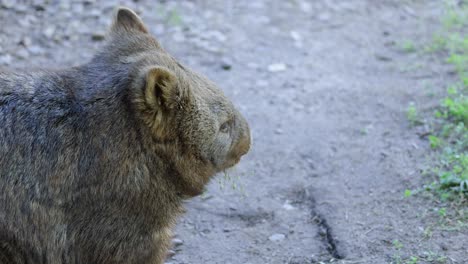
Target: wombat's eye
224,128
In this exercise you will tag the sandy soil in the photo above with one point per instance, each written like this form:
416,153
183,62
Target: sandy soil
324,85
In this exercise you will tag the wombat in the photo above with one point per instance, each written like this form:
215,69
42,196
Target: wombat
96,160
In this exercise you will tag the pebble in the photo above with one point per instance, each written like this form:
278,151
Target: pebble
277,67
177,242
21,8
297,39
49,31
226,66
95,13
216,35
98,36
8,3
170,253
5,59
35,50
277,237
22,53
39,7
296,36
288,207
26,41
24,22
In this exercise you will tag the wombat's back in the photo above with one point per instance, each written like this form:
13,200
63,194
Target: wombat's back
32,138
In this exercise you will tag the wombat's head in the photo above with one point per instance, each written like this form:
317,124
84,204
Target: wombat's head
199,127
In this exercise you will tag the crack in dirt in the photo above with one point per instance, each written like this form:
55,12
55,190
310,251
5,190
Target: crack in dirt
325,230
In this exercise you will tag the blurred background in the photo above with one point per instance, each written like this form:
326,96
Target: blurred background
340,96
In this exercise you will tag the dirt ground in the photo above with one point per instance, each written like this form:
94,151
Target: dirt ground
324,85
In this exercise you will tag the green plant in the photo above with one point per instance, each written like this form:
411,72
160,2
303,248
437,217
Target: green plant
442,212
412,260
408,46
174,18
413,115
234,181
434,141
397,244
450,128
407,193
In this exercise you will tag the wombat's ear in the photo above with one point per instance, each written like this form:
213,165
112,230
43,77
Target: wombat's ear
161,90
125,19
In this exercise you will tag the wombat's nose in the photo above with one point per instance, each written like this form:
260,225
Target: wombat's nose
245,141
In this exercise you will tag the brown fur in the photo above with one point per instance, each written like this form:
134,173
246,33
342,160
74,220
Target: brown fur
96,160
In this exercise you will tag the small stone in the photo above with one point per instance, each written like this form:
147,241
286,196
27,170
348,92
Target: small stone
35,50
278,131
177,242
444,247
22,54
49,31
226,66
95,13
8,3
98,36
277,237
64,5
24,22
277,67
21,8
5,59
170,253
296,36
381,57
216,35
206,197
322,232
39,7
288,207
26,41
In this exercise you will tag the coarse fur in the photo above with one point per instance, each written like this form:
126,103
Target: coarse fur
96,160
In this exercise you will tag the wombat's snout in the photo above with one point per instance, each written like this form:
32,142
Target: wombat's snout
244,141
